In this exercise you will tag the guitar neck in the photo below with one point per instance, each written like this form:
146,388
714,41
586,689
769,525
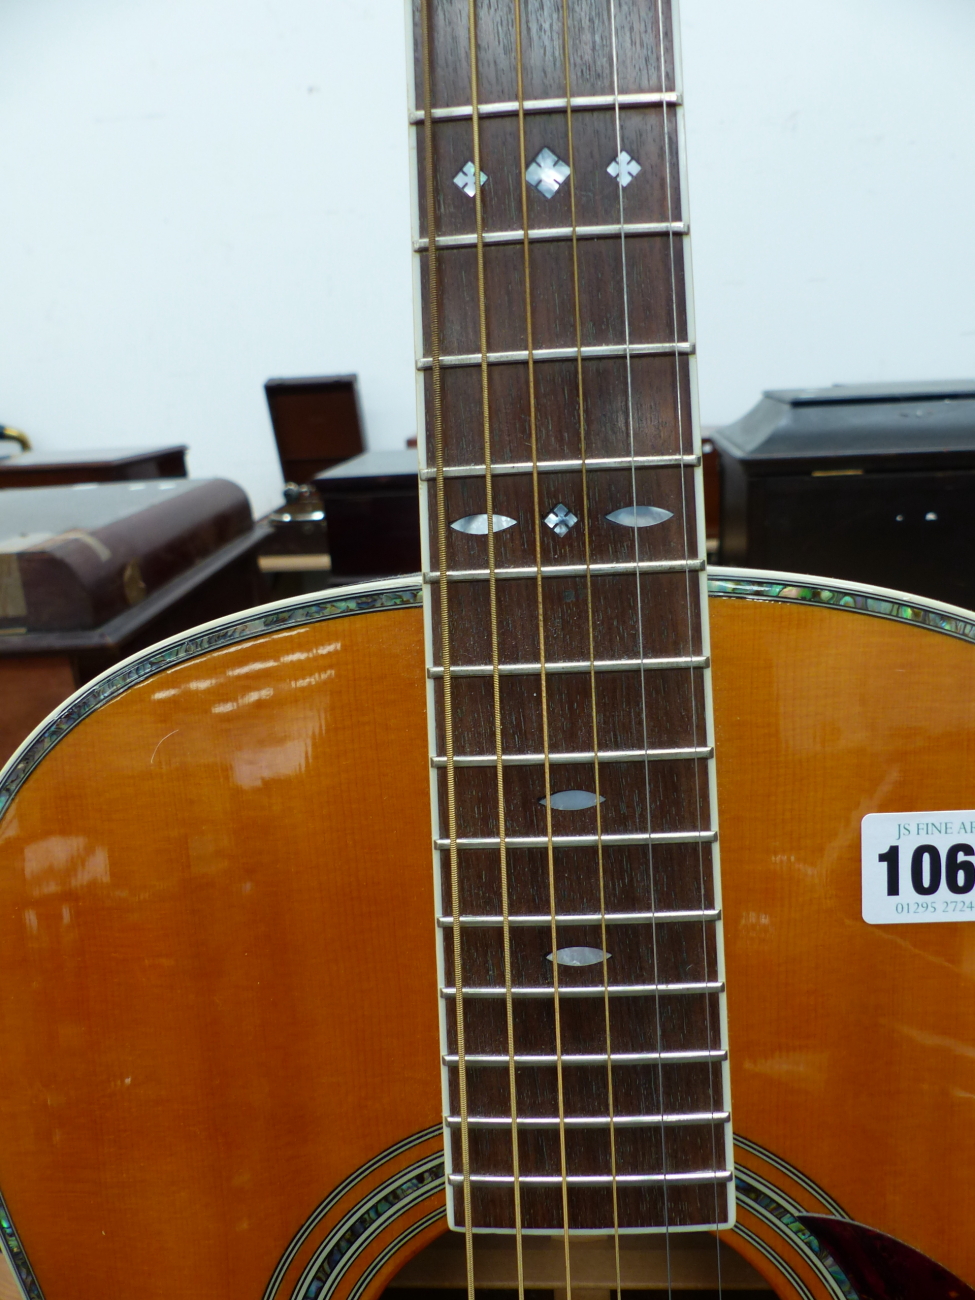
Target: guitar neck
584,1056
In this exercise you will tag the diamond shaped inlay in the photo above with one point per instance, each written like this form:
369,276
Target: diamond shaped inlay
624,167
464,180
560,519
546,173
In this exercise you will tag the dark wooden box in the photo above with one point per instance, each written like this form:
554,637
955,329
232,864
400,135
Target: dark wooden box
372,510
317,423
873,482
50,468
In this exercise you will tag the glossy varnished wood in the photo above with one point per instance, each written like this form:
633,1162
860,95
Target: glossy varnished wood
216,941
216,950
852,1045
506,296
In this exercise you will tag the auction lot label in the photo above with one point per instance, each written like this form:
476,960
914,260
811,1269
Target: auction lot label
918,867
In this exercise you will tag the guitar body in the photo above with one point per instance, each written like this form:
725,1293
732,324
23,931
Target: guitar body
219,1073
853,1045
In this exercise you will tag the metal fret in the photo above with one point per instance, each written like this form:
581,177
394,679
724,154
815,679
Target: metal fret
574,666
588,990
582,841
509,107
556,233
566,309
595,352
591,1058
572,570
593,1121
582,918
592,1180
580,756
562,466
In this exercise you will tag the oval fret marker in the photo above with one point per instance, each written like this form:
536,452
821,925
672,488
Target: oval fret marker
639,516
478,524
578,956
572,800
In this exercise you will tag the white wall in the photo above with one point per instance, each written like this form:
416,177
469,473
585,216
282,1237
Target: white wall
832,179
198,194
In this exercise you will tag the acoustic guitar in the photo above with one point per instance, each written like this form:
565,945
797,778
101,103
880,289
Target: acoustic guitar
254,1046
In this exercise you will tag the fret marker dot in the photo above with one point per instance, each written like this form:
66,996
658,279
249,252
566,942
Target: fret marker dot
624,167
464,180
639,516
560,519
578,956
477,525
546,173
572,800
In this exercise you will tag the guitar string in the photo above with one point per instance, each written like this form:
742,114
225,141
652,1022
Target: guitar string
639,619
542,657
591,640
495,653
702,598
441,546
445,647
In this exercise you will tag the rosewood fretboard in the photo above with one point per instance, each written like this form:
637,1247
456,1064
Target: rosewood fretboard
561,467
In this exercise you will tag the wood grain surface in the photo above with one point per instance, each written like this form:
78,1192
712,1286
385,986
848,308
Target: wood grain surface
216,945
852,1045
29,689
623,288
217,950
9,1290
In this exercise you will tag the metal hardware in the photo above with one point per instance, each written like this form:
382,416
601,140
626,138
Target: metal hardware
572,666
591,1058
590,991
546,172
583,918
562,466
591,1180
545,233
579,756
593,1121
568,570
581,841
464,180
595,352
509,108
15,435
623,168
560,519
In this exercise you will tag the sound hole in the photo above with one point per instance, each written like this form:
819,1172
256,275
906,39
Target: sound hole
695,1261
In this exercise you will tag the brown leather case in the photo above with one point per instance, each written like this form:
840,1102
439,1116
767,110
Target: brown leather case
75,557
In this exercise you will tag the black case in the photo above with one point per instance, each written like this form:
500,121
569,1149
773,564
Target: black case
874,482
372,507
